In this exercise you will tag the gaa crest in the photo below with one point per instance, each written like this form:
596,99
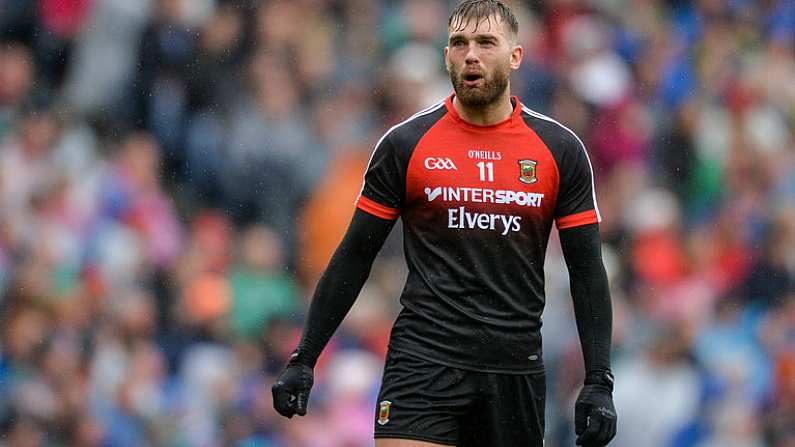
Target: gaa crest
383,412
527,171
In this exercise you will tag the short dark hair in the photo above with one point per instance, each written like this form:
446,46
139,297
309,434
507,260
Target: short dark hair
482,10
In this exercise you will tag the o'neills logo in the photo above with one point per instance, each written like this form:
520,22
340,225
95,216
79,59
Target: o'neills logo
484,195
383,412
482,154
460,218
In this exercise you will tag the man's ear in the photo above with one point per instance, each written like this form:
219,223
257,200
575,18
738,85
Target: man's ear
517,55
446,65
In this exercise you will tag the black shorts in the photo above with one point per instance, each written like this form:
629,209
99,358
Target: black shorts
435,403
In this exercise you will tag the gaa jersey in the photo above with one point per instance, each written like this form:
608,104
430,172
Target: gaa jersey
477,204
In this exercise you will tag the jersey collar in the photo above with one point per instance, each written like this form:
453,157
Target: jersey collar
508,122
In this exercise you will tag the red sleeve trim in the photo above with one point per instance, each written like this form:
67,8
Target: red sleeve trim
575,220
376,209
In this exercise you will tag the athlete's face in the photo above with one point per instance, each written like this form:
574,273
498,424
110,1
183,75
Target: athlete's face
480,58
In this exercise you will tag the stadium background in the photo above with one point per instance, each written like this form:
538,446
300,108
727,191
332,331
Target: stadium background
174,175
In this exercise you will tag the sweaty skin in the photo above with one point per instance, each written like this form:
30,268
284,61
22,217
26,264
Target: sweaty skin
487,53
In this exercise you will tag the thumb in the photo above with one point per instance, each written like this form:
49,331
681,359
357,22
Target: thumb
591,433
580,418
300,403
282,400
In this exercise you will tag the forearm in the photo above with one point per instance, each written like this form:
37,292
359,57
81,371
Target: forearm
340,284
591,294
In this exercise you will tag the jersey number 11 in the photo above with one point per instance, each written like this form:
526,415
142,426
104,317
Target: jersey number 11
486,169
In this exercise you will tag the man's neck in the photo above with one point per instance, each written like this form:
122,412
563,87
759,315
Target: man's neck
494,113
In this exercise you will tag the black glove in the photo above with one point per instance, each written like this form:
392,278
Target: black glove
594,413
291,390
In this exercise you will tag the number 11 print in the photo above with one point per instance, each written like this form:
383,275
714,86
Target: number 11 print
486,168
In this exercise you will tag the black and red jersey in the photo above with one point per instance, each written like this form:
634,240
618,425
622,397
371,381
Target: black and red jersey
478,204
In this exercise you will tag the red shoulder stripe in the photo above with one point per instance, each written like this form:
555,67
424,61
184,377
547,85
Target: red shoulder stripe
376,209
575,220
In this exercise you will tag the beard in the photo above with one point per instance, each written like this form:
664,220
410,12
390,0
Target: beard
490,90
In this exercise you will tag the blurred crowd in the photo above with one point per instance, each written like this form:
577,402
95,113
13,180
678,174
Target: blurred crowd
175,174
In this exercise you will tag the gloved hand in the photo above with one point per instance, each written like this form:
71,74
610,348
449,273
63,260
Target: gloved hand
594,413
291,390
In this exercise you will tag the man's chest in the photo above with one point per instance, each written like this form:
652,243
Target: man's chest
481,181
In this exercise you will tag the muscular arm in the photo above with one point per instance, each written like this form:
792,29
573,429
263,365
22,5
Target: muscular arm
340,284
589,289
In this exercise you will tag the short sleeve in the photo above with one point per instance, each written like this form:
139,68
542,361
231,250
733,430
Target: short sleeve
382,192
576,204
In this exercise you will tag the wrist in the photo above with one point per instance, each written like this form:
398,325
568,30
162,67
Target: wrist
602,378
301,357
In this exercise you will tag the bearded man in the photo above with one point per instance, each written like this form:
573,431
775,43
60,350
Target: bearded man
478,180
